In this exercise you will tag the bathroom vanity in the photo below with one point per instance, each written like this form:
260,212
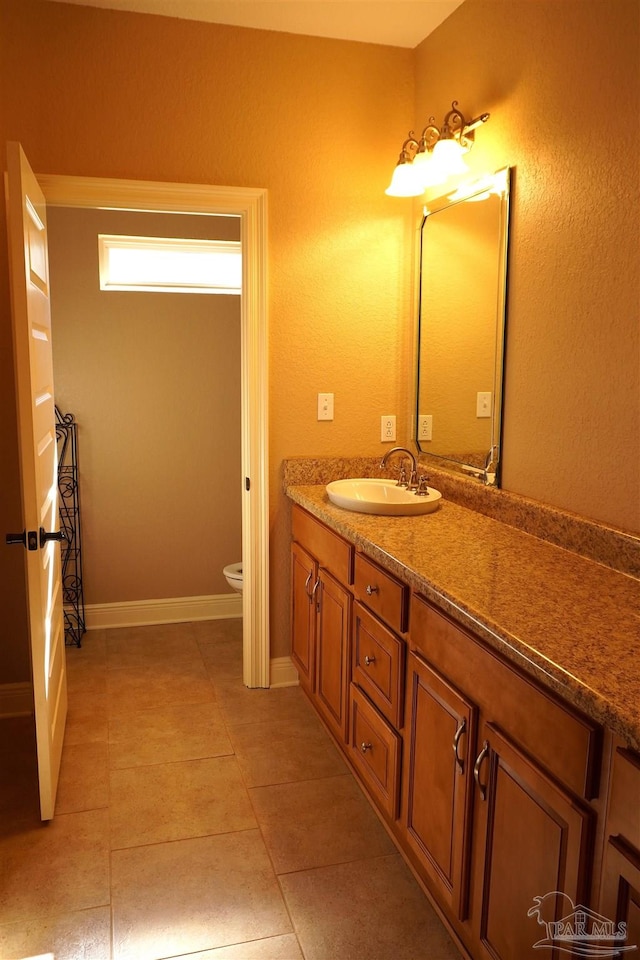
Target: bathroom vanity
484,687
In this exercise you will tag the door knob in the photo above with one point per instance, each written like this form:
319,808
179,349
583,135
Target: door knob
44,536
29,539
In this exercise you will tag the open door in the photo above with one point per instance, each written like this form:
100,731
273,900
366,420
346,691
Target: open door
29,271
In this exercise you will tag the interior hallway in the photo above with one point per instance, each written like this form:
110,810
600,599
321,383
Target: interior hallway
196,818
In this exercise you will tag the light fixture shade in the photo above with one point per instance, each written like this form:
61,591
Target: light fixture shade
405,182
430,173
447,157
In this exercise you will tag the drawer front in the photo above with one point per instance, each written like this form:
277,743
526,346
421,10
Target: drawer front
374,748
567,743
332,552
378,664
382,593
624,805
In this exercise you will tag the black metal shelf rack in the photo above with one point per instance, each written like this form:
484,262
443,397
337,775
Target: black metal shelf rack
71,546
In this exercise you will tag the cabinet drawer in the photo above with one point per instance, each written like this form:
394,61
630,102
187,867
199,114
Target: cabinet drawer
374,748
624,805
382,593
565,742
332,552
378,664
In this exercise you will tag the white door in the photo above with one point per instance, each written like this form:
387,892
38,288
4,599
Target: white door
27,222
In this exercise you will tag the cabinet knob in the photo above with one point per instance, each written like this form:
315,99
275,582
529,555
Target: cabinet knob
369,660
366,746
371,589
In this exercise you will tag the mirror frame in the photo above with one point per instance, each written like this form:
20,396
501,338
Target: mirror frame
500,180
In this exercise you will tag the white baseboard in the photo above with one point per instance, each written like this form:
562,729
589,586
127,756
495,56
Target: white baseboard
16,700
283,673
137,613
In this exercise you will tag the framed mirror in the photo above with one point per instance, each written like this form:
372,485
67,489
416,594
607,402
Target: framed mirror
461,326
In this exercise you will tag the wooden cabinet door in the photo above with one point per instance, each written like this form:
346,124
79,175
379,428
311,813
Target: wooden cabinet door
333,622
304,580
532,839
620,901
437,780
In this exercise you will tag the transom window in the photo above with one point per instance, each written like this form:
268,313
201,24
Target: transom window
160,264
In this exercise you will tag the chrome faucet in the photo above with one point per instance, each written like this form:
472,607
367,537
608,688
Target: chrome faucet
412,484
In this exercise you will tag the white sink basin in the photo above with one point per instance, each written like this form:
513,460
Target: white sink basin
382,497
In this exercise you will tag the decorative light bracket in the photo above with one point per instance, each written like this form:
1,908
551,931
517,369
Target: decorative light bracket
421,165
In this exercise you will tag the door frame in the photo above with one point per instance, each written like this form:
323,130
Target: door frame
250,204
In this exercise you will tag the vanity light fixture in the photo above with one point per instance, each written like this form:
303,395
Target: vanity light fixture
437,155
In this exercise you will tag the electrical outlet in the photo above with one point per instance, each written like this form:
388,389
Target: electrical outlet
483,404
425,426
325,406
387,428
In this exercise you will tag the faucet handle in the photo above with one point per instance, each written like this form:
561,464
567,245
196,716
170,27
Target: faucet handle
402,479
423,489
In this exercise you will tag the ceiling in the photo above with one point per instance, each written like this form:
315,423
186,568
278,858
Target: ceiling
397,23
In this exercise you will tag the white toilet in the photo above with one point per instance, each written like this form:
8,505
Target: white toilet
233,576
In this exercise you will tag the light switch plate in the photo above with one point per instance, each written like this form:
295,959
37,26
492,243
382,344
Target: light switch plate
325,406
483,404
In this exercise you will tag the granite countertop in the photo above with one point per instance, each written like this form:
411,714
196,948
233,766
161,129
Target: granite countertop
570,622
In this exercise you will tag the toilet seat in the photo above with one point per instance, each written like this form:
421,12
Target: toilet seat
233,575
233,571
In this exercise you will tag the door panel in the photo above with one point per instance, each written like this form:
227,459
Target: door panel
333,608
438,780
536,844
304,572
26,214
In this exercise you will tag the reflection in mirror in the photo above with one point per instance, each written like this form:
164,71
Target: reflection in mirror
462,312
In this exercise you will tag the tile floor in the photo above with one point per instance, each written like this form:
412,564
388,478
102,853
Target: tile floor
196,818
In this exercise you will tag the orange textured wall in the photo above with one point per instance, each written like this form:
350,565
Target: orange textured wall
317,122
561,81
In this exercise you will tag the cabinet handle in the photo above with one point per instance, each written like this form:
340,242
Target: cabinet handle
369,660
366,746
306,585
371,589
456,740
315,587
482,787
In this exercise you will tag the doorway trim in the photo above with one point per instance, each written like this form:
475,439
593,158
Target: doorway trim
250,204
